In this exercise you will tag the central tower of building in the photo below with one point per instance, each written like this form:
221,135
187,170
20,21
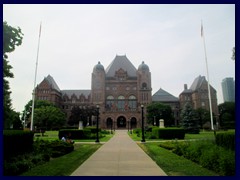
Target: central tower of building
120,90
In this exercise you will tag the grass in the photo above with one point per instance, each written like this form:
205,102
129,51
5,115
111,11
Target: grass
64,165
53,135
172,164
201,135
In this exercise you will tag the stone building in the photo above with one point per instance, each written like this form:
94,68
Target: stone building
119,91
197,95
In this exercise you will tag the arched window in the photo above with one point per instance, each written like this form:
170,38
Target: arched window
121,103
109,103
132,102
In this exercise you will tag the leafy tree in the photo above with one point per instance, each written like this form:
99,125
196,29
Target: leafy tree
46,114
12,37
17,123
190,121
203,116
49,117
82,114
227,114
157,111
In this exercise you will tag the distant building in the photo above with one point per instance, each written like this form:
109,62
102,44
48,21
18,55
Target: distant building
164,97
119,90
228,90
197,95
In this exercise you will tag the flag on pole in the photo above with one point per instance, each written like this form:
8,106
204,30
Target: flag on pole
201,30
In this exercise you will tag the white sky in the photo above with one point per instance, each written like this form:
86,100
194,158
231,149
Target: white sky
75,37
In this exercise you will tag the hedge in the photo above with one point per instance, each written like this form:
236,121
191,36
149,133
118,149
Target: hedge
86,133
16,142
168,133
226,140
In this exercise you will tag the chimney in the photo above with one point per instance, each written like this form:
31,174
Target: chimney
185,86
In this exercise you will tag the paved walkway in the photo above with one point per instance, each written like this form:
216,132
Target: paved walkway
120,156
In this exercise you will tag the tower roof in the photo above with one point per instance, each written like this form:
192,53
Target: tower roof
123,63
98,66
51,82
143,67
163,96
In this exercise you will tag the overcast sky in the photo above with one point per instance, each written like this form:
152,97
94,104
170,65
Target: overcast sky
166,37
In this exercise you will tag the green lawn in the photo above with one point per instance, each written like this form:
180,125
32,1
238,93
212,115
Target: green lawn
64,165
173,164
53,135
201,135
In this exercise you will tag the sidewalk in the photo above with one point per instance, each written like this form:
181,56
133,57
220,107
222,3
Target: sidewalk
120,156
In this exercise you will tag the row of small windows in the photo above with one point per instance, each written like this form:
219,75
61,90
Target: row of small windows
122,97
127,88
43,98
44,91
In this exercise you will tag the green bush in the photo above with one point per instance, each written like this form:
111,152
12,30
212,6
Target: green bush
168,133
226,140
207,154
16,142
60,148
73,133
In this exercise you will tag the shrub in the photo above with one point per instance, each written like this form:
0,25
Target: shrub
207,154
16,142
168,133
226,140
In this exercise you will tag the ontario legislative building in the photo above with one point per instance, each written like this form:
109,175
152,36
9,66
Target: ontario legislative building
119,90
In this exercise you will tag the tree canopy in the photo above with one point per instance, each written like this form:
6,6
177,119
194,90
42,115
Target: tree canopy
12,37
157,111
190,120
227,114
46,114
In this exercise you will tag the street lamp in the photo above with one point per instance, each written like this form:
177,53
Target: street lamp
111,125
97,140
143,138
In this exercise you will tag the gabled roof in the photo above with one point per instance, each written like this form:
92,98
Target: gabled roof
69,93
197,83
51,82
121,62
163,96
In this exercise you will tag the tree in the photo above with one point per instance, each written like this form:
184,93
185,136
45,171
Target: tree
227,115
157,111
203,116
46,114
82,114
12,37
190,121
49,117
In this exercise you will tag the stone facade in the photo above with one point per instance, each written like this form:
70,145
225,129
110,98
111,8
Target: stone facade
120,90
197,95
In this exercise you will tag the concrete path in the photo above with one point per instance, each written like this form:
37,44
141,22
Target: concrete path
120,156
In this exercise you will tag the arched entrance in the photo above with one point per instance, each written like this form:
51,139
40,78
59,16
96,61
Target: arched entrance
121,122
133,123
109,123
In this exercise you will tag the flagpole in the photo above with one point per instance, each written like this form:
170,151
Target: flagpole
209,91
33,95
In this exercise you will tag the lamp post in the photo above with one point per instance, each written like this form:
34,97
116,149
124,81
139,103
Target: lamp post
111,125
97,140
143,138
